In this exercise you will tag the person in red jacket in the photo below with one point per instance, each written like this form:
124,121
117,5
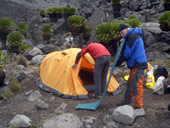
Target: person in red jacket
102,58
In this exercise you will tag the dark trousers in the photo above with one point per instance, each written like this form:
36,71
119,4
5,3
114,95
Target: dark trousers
102,65
135,87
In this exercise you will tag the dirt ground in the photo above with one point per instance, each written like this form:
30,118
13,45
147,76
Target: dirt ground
157,115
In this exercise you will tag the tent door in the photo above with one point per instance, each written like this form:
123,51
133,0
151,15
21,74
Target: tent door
87,79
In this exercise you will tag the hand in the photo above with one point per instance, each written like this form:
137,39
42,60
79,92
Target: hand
121,40
75,66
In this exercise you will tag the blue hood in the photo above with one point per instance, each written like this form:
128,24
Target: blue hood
134,31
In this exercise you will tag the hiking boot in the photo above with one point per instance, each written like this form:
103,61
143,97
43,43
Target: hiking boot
96,97
102,93
138,107
124,102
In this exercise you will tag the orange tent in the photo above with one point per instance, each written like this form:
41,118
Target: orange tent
57,75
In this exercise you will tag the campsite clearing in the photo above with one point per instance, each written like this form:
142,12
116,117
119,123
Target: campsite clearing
157,114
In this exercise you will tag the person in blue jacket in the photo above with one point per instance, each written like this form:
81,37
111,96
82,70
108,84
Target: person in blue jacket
134,54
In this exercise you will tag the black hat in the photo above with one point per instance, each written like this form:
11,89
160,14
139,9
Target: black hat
122,27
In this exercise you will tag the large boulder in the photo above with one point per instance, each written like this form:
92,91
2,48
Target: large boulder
124,114
66,120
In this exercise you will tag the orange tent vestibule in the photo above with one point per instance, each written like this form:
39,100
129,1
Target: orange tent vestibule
58,77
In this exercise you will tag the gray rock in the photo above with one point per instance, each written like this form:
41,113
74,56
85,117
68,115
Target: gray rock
20,121
124,114
37,59
157,56
29,73
20,67
66,120
152,27
88,122
134,6
166,36
148,37
49,48
119,90
28,93
117,70
159,46
111,124
42,105
35,51
121,81
94,20
34,95
19,76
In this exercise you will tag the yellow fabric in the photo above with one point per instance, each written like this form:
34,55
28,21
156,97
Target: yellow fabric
150,82
57,73
126,77
149,68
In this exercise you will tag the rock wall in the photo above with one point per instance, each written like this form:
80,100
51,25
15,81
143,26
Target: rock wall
95,11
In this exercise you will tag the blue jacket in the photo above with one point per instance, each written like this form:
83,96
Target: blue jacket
133,51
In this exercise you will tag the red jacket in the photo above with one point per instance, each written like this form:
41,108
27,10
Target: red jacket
96,50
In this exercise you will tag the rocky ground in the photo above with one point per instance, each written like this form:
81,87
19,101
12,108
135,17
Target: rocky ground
155,106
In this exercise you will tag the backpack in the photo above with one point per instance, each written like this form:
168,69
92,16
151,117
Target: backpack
160,71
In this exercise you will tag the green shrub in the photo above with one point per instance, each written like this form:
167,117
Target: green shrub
14,85
116,24
116,1
132,17
6,24
76,21
15,38
87,30
58,10
22,27
42,12
55,9
165,18
72,11
24,48
47,29
66,10
50,11
104,32
133,21
7,93
2,59
108,31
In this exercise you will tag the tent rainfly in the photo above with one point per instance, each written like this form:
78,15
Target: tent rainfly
58,77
